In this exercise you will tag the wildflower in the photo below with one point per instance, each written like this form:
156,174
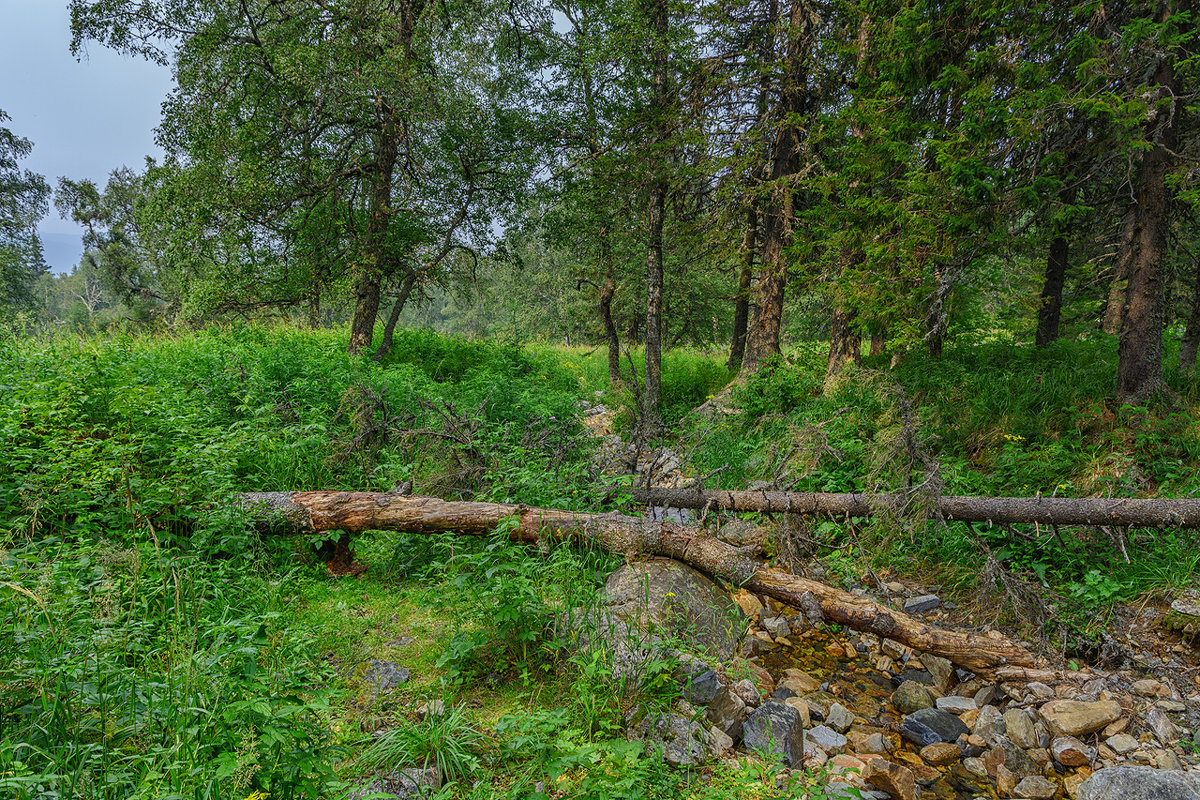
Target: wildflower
257,796
1013,437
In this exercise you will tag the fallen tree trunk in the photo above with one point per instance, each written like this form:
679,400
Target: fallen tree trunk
1126,512
310,512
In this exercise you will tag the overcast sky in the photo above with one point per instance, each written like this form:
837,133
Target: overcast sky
85,118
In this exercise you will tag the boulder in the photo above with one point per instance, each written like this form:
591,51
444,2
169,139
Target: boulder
674,599
930,725
894,779
1078,717
679,738
1019,726
839,718
940,754
776,728
825,739
1140,783
1035,787
912,696
728,712
1070,752
702,689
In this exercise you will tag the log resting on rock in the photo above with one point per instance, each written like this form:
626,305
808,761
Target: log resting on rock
310,512
1127,512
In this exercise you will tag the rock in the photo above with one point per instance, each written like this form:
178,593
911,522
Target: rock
799,681
869,743
1122,743
776,728
929,725
431,709
702,689
800,705
922,604
1166,759
403,784
811,607
728,712
681,740
1016,761
894,779
1166,731
839,718
1070,752
749,693
776,626
940,754
825,739
989,724
912,696
975,766
718,742
956,705
1126,782
1077,717
941,670
1147,687
673,598
987,695
1035,787
384,675
1019,727
1187,603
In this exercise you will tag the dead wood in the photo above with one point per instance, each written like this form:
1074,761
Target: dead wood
310,512
1125,512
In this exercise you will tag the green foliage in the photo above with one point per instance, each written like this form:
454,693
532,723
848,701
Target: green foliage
448,741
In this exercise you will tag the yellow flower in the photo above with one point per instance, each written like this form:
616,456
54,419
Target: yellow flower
257,796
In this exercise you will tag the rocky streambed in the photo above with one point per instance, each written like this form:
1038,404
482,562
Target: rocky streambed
889,722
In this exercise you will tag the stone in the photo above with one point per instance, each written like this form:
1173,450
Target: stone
825,739
776,728
1121,743
912,696
929,725
989,724
776,626
681,740
892,778
749,693
811,607
1125,782
956,705
801,706
384,675
839,718
1019,727
1035,787
922,604
718,742
1070,752
728,712
799,681
940,754
869,743
403,784
431,709
1077,717
941,670
1147,687
1016,761
1166,731
1166,759
702,689
975,766
663,595
987,695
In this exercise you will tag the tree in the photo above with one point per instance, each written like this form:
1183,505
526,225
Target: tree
24,200
367,138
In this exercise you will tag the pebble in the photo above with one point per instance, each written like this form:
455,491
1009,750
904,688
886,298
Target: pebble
956,705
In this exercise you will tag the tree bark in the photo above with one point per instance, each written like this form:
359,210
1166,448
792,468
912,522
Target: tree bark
845,343
1191,334
1139,348
389,330
310,512
607,292
369,286
741,308
660,104
1130,512
1050,310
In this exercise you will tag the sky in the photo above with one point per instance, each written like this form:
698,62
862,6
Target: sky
85,118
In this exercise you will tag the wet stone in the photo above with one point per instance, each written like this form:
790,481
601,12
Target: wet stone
930,725
825,739
912,696
1035,787
940,754
839,718
1070,752
776,728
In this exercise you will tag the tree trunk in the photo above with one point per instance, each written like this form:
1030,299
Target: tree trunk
1139,348
1191,334
652,394
1050,310
762,340
1125,512
309,512
845,343
878,341
741,308
389,330
606,298
1114,308
369,286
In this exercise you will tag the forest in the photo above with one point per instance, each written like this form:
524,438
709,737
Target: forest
851,344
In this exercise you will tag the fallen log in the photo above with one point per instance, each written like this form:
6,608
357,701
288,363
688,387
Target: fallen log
310,512
1125,512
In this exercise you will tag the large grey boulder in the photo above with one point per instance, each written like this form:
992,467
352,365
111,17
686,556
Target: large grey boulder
776,728
1140,783
680,738
674,601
